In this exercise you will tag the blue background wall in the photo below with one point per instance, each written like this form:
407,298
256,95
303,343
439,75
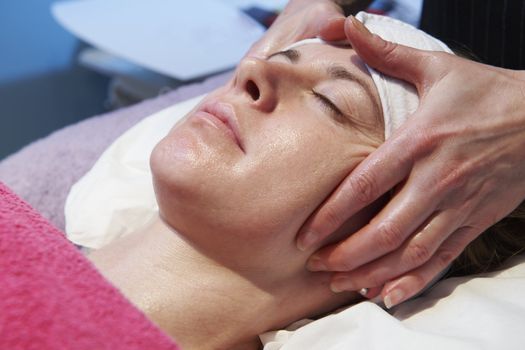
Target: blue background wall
41,86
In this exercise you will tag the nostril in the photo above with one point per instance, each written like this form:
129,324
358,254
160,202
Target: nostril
253,90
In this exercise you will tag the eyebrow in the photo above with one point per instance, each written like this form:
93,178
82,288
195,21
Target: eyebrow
291,54
334,71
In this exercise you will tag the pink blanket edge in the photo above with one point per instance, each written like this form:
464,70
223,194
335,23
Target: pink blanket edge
52,297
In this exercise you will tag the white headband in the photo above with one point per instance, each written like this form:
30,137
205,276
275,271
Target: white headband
399,99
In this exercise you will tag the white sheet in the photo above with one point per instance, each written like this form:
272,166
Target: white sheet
116,196
485,312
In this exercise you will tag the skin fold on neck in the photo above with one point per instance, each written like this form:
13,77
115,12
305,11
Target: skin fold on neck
198,301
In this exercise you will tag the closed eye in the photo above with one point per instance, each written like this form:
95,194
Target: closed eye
329,105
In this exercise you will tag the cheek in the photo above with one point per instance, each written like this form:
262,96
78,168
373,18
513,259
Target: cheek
296,167
260,199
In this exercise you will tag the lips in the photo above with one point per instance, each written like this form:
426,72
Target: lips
225,113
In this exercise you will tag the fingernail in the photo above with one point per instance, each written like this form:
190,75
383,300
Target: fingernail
315,264
360,26
341,284
307,240
393,298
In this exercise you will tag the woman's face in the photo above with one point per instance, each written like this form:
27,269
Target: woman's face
242,173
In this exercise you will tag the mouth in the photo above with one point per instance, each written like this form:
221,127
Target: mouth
225,114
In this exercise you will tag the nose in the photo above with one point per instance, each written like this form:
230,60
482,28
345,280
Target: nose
257,79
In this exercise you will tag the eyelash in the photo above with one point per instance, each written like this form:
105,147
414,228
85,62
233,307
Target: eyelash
325,101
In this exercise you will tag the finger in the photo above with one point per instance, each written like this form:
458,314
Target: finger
371,179
414,253
333,29
369,293
384,234
396,60
410,284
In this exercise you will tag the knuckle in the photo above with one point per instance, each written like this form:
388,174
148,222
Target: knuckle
417,254
364,188
389,236
339,260
454,176
435,58
332,218
419,281
444,257
426,140
389,51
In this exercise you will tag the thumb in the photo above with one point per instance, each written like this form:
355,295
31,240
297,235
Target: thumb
333,29
399,61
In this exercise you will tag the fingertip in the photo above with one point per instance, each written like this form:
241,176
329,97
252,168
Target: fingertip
353,23
342,282
316,264
394,297
306,240
356,32
386,56
333,29
397,291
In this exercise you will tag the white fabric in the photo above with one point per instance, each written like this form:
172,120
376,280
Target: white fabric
116,196
486,312
398,98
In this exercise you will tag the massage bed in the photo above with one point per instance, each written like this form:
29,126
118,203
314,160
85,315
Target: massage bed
478,312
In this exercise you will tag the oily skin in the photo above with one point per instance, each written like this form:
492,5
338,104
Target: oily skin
231,215
296,152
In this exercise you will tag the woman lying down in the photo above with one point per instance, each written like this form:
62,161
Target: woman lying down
237,179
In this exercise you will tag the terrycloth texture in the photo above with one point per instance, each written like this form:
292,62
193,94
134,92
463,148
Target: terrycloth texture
43,172
398,98
52,298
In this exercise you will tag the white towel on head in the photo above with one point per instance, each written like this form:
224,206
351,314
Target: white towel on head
399,99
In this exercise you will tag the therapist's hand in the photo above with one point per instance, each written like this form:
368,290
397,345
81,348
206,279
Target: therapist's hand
301,19
458,165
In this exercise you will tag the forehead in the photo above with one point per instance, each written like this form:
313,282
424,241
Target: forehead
325,54
327,57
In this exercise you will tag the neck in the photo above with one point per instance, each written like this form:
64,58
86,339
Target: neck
195,300
201,303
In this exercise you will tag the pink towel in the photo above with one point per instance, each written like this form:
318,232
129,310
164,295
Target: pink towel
51,297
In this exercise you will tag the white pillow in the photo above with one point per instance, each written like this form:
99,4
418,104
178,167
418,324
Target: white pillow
482,312
116,196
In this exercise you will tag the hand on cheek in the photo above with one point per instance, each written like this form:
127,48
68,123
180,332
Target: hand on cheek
458,161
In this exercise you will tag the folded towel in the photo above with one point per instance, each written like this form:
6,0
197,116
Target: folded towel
51,297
